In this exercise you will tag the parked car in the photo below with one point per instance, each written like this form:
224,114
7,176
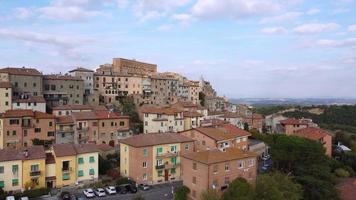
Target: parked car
100,192
24,198
131,188
65,196
10,198
144,187
79,197
89,193
120,189
110,190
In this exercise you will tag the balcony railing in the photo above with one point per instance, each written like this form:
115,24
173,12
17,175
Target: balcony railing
66,170
82,129
159,166
168,154
35,173
167,166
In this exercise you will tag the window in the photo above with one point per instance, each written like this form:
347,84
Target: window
13,132
102,124
194,181
174,160
173,170
173,148
50,124
241,164
159,150
144,176
145,152
195,166
160,173
2,184
50,134
1,169
91,159
91,171
15,169
146,123
186,146
37,130
14,121
25,133
122,123
227,180
6,94
66,176
15,182
144,164
215,169
6,103
80,161
227,167
80,173
250,162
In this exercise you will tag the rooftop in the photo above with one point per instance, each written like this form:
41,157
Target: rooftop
192,114
62,150
292,121
21,71
95,115
30,99
143,140
33,152
65,120
27,113
216,156
312,133
223,132
81,69
162,110
61,77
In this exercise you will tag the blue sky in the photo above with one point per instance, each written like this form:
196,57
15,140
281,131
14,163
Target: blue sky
254,48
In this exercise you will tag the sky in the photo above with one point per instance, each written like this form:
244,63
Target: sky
245,48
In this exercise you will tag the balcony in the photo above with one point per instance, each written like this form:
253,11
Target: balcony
35,173
82,138
160,166
67,170
168,154
82,129
167,166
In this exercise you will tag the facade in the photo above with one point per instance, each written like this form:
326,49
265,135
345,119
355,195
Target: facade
23,80
193,91
100,127
65,129
153,158
215,169
162,120
126,66
291,125
63,90
5,96
26,102
234,119
219,137
192,119
20,127
272,123
318,135
164,89
87,76
67,110
254,121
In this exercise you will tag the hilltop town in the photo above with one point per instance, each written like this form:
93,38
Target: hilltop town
128,122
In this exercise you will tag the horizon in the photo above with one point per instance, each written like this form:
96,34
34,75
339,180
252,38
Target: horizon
257,49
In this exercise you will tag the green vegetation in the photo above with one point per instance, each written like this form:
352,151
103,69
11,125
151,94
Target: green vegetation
238,189
138,197
128,108
181,193
202,98
270,109
210,194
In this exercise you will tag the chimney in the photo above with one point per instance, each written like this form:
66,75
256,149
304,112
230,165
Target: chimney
25,153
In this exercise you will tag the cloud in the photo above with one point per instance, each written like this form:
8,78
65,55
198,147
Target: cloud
315,28
165,27
340,10
23,13
274,30
289,16
330,43
352,28
236,9
313,11
182,18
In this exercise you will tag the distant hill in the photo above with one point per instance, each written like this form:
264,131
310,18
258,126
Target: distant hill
294,101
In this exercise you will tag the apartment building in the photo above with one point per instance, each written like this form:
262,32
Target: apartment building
100,127
27,102
218,137
23,80
193,91
127,66
5,96
193,114
164,89
153,158
65,129
162,120
233,118
292,125
62,90
87,76
254,121
215,169
67,110
318,135
19,127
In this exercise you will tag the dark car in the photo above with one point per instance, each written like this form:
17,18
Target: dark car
65,196
121,189
144,186
79,197
131,188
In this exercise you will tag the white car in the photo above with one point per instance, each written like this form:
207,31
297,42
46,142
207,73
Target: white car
100,192
110,190
89,193
10,198
24,198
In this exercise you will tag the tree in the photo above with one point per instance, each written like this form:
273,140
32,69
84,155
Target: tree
128,108
209,194
277,186
246,126
139,197
202,98
239,189
104,165
181,193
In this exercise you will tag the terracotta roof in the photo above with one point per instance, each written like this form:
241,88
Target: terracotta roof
192,114
105,147
312,133
212,122
34,152
163,110
65,120
4,84
222,133
231,115
21,71
216,113
347,188
42,115
217,156
182,104
143,140
61,150
81,69
96,115
292,121
27,113
10,155
30,99
73,107
61,77
86,148
235,130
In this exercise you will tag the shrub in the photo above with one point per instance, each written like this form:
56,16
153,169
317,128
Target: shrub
122,180
342,173
181,193
36,192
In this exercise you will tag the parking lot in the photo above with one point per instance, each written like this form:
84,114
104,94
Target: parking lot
156,192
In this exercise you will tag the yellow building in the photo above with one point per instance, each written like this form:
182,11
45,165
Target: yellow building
87,162
10,170
34,166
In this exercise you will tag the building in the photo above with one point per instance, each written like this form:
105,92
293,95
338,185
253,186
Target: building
100,127
63,90
215,169
272,123
192,119
291,125
220,137
33,167
87,76
5,96
11,170
65,129
153,158
233,118
127,66
27,102
23,80
193,91
67,110
164,89
258,147
162,120
254,121
18,128
318,135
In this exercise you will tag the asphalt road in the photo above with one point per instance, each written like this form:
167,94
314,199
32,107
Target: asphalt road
156,192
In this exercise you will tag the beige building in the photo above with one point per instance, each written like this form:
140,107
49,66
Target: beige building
193,91
153,158
23,80
26,102
5,96
62,90
87,76
215,169
67,110
164,89
162,120
127,66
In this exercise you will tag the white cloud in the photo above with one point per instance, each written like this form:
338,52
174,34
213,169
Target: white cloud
348,42
340,10
315,28
23,13
274,30
165,27
122,3
182,18
352,28
313,11
289,16
236,9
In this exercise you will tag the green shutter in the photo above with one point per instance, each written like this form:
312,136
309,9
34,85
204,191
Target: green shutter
173,148
91,171
15,168
80,173
91,159
173,170
66,176
80,160
2,184
145,152
174,160
15,182
159,150
160,173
